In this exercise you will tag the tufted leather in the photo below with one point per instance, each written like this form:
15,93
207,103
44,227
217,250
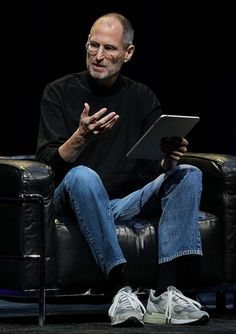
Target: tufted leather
25,201
69,263
219,198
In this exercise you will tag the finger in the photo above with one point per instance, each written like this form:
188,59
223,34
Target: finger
109,117
178,153
165,146
184,142
85,112
182,149
101,125
97,116
106,121
175,155
177,141
101,129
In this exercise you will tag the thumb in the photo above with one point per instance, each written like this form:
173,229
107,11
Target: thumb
86,109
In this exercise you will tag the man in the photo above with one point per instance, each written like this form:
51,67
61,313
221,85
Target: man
89,121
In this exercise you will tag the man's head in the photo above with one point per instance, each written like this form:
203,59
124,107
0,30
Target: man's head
109,46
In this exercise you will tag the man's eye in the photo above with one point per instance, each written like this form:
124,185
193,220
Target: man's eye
94,45
109,48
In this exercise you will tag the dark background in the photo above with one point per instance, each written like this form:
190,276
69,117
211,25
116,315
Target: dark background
185,51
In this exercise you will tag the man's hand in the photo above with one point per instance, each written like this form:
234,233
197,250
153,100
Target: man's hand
97,123
174,148
88,126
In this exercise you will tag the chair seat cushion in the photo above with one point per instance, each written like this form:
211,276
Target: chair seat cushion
76,266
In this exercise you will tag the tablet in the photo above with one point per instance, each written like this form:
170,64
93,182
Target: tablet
148,146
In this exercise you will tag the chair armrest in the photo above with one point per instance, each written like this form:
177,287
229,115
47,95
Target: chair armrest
219,181
219,198
20,175
26,222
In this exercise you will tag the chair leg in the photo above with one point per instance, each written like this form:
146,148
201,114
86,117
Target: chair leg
220,301
42,306
42,266
234,301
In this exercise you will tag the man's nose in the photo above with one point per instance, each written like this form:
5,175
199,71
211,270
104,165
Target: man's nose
100,53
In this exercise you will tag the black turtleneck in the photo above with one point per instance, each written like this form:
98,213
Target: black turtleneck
61,106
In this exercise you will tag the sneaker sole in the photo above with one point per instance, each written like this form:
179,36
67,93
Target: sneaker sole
154,318
130,322
161,320
203,320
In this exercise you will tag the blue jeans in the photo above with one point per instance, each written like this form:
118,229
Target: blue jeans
176,193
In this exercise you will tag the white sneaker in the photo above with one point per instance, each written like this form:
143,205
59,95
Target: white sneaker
126,309
172,307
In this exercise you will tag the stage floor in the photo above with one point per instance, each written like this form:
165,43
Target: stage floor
75,316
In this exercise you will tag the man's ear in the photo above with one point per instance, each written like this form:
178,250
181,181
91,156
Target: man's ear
129,53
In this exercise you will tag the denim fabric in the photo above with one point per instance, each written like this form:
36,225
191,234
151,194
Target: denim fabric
177,193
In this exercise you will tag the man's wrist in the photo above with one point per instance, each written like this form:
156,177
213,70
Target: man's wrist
161,168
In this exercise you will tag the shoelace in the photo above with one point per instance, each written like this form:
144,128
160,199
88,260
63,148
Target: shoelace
128,300
185,301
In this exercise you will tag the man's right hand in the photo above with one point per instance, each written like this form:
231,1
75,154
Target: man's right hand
96,124
89,126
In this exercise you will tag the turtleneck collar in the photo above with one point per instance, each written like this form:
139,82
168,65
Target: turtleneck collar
99,89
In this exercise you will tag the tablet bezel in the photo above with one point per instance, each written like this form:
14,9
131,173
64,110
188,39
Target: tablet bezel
148,146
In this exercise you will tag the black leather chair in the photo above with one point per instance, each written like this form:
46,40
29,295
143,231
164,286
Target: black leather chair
41,254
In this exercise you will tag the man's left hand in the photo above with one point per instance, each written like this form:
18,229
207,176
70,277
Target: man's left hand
174,148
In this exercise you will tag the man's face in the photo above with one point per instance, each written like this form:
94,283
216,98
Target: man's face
105,50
